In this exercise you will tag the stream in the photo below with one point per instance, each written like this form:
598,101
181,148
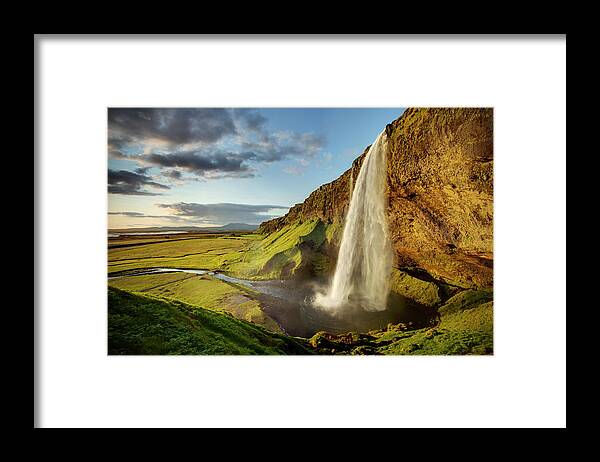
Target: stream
290,303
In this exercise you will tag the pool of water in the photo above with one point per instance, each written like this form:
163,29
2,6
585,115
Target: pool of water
289,303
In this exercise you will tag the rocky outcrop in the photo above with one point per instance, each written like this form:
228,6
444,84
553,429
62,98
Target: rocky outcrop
439,191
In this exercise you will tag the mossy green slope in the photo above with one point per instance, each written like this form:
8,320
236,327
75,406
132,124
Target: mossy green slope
279,255
424,292
465,300
148,325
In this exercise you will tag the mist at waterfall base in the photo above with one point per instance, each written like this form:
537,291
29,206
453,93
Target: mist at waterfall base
361,282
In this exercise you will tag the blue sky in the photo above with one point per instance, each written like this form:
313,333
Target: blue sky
209,167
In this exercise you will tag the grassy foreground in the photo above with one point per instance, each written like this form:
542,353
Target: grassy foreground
201,291
178,313
148,325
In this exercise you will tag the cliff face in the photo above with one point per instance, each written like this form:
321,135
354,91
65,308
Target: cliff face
439,192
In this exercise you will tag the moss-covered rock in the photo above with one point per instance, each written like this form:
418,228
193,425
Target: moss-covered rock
465,330
465,300
423,292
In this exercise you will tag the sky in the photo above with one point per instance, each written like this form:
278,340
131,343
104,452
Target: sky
214,166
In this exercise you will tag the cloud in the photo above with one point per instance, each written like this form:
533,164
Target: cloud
207,143
203,163
225,213
271,147
251,119
143,215
221,163
173,174
172,126
130,183
127,214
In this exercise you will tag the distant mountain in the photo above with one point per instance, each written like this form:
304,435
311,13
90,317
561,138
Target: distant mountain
238,227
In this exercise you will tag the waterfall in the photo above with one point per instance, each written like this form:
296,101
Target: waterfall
365,257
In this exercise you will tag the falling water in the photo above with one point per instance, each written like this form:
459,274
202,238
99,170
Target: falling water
365,258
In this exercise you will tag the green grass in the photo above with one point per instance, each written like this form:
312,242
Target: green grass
463,333
202,291
333,231
200,253
466,328
147,325
179,313
467,331
147,282
279,254
465,300
250,256
480,317
424,292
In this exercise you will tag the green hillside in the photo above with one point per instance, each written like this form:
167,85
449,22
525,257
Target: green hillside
149,325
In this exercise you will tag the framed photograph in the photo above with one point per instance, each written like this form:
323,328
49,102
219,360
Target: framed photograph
354,224
392,253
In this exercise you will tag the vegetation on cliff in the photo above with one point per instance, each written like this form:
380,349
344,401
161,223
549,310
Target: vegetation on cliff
281,254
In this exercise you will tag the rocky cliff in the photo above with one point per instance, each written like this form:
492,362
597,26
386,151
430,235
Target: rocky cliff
439,192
